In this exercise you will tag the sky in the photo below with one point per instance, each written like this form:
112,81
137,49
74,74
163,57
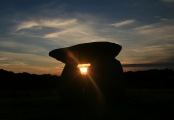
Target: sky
30,29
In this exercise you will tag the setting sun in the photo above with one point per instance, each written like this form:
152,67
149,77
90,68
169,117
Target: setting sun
83,68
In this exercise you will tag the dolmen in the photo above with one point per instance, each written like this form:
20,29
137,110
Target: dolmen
103,81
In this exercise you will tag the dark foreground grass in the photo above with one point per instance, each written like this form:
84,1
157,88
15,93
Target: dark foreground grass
134,107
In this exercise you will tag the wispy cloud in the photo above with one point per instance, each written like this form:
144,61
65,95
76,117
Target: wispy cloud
70,30
155,54
30,63
20,67
76,31
122,23
19,47
26,25
29,58
3,58
55,23
157,32
149,43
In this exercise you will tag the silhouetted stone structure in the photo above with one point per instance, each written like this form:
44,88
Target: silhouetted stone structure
105,71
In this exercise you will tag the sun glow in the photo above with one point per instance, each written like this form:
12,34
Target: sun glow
83,68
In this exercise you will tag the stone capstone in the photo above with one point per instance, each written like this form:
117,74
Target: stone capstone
104,73
86,52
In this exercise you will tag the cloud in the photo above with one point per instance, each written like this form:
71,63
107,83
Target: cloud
156,53
19,47
122,23
147,54
29,58
157,32
20,67
77,31
30,63
3,58
63,31
26,25
141,44
54,23
151,43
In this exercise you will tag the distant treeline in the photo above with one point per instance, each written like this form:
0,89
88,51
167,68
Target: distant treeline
10,80
156,79
25,84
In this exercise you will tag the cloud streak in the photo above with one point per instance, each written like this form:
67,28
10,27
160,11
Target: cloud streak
19,47
30,63
146,43
122,23
55,23
70,30
18,67
3,58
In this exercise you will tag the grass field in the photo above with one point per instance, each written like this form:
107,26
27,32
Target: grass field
135,107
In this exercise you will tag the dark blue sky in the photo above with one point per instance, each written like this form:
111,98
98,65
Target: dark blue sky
31,28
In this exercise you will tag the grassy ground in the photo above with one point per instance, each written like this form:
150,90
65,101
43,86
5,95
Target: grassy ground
135,107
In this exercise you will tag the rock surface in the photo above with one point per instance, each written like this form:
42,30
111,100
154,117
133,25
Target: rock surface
85,53
103,81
